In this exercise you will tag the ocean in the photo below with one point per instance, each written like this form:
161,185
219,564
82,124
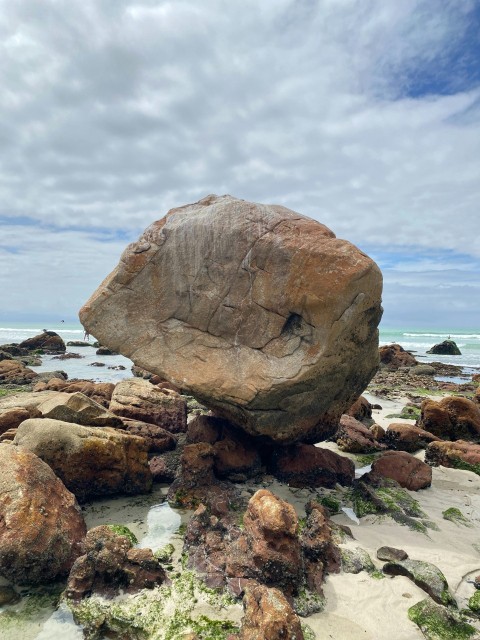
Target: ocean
417,341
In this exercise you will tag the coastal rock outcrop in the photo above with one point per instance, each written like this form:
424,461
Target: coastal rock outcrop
395,356
41,525
458,454
259,312
14,372
410,472
79,409
91,461
48,341
101,392
407,437
353,437
445,348
110,564
138,399
452,418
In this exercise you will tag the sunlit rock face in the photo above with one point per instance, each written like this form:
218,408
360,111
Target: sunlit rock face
260,312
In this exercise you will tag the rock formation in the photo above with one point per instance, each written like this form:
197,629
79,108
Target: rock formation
259,312
41,525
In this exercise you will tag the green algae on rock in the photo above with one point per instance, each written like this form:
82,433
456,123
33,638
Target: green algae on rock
425,575
440,623
455,515
163,613
356,560
122,530
474,603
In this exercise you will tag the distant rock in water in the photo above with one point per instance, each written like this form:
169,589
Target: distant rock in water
48,341
446,348
259,312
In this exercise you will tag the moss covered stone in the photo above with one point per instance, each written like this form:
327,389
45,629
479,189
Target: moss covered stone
356,560
425,575
122,530
455,515
440,623
474,602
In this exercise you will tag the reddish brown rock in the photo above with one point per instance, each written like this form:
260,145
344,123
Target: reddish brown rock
14,372
268,550
100,392
259,312
395,356
137,399
91,461
41,525
458,454
353,437
321,554
452,418
476,397
196,483
205,428
162,470
236,459
268,615
304,465
378,432
410,472
158,439
11,418
407,437
110,566
361,409
48,341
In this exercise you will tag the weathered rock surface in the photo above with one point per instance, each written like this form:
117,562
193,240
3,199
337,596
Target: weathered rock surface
391,554
458,454
257,311
41,525
11,418
353,437
91,461
407,437
79,409
158,439
110,564
395,356
48,341
304,465
425,575
14,372
101,392
268,615
452,418
361,410
138,399
410,472
446,348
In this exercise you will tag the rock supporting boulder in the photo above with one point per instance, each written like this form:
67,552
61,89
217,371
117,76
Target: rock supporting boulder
41,525
91,461
258,311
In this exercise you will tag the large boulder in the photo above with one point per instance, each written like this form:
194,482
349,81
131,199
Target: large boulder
452,418
410,472
48,341
91,461
257,311
138,399
41,525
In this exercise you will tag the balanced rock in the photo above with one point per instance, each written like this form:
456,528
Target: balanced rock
257,311
41,525
91,461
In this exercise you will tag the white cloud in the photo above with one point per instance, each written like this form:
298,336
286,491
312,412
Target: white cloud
113,112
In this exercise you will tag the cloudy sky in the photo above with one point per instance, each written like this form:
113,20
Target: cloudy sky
363,114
